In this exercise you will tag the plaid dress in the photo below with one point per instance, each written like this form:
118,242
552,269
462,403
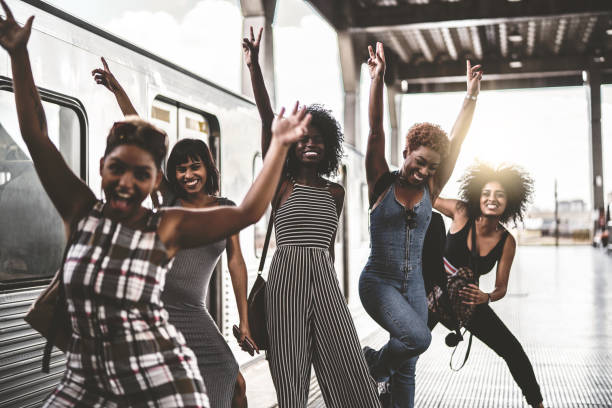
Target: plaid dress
123,351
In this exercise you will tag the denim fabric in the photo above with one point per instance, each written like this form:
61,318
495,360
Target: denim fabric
392,291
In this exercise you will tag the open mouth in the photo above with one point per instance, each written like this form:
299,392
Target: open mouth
190,183
311,154
492,206
418,177
121,201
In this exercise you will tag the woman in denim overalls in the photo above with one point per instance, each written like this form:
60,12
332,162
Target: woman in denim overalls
391,285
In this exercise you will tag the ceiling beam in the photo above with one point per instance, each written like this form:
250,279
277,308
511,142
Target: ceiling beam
517,83
468,13
500,69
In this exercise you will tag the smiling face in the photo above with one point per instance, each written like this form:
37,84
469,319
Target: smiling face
419,165
310,149
129,175
493,199
191,175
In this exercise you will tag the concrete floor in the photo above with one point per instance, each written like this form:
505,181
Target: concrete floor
559,305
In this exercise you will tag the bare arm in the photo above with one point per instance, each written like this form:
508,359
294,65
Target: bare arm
183,228
473,295
376,164
69,194
238,272
459,130
503,269
338,194
262,99
103,76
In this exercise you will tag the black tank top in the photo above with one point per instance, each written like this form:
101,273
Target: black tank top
458,253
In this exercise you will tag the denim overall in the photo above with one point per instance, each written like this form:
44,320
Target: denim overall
392,291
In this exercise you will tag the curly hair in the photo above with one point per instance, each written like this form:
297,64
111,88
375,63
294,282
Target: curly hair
333,137
428,135
195,150
516,181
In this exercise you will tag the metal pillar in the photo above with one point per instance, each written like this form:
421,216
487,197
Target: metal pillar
351,71
394,103
595,146
260,13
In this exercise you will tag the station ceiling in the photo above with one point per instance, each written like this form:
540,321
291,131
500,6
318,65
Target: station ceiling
521,43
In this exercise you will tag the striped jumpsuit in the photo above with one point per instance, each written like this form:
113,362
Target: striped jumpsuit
308,320
123,351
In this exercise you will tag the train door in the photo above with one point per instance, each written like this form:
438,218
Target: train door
182,121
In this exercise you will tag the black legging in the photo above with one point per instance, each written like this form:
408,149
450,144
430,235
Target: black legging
489,328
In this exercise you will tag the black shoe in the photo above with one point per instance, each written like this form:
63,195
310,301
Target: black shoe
370,356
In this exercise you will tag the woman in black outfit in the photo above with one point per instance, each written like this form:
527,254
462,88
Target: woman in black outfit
490,198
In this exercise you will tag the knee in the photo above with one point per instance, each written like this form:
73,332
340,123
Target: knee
417,342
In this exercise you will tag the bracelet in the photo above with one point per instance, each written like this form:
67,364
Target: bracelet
471,97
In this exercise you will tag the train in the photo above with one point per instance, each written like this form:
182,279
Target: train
63,50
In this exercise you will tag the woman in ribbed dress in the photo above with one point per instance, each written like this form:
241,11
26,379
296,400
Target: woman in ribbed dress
490,197
192,181
308,320
122,351
391,285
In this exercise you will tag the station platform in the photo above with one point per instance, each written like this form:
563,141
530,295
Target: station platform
559,305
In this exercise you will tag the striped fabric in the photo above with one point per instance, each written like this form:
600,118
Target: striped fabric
448,267
123,352
308,320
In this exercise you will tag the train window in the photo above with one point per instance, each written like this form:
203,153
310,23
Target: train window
34,246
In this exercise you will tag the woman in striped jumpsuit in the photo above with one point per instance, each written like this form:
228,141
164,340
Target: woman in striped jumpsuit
123,352
308,320
192,181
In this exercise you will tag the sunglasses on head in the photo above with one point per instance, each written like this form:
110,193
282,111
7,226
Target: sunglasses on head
411,218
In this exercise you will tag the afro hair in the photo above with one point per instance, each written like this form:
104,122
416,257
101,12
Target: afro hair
516,181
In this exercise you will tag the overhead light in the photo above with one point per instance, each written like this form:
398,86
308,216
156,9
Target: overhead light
609,31
515,36
599,58
516,64
514,1
585,76
404,85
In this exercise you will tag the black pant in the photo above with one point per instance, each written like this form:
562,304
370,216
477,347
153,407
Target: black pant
489,328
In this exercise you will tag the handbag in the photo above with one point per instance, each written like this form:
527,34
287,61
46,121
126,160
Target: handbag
447,304
48,314
257,297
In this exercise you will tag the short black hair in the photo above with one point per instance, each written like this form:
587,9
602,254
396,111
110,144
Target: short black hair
516,181
333,137
138,132
193,149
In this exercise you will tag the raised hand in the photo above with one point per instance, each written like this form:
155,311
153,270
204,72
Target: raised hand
250,47
376,62
13,38
103,76
288,130
474,75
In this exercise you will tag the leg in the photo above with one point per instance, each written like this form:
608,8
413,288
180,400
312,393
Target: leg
489,328
408,329
341,369
240,399
288,298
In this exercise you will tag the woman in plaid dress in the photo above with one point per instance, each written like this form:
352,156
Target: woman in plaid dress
123,352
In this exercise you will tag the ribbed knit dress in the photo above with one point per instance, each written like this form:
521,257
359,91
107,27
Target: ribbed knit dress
184,298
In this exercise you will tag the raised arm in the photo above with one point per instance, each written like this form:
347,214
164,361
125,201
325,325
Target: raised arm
69,194
262,99
376,164
459,130
182,228
103,76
